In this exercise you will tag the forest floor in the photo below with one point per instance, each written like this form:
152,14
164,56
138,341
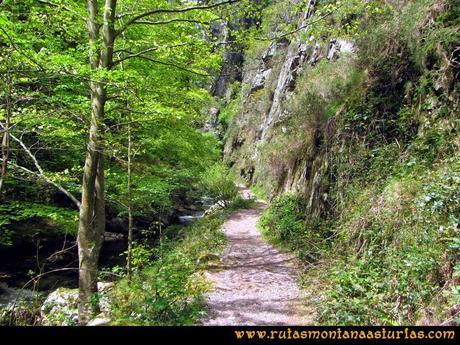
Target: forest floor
255,283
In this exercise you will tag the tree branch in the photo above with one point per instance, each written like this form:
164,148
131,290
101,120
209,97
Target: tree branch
41,173
173,65
173,10
38,175
174,20
142,52
68,9
13,45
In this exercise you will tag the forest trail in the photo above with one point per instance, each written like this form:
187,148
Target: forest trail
255,283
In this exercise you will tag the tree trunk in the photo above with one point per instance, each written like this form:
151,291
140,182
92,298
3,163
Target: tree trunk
92,211
6,134
130,211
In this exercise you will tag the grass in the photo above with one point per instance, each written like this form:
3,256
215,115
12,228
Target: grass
259,192
392,258
395,249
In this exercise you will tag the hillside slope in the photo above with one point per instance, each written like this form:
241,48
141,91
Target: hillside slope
347,121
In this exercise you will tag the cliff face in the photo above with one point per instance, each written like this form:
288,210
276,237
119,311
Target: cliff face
269,85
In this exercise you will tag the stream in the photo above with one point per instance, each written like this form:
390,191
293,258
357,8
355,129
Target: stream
55,260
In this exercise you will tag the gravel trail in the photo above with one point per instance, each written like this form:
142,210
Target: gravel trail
254,284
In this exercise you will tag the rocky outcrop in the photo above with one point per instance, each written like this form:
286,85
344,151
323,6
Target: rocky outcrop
230,72
268,86
60,308
213,120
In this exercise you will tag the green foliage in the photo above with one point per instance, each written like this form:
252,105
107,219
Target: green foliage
240,203
59,219
285,224
142,256
169,290
5,236
391,253
343,19
320,93
397,191
24,312
219,183
259,192
277,18
230,110
161,102
284,218
157,102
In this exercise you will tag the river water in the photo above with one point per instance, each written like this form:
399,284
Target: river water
54,259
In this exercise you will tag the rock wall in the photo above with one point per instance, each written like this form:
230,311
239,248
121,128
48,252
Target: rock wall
269,83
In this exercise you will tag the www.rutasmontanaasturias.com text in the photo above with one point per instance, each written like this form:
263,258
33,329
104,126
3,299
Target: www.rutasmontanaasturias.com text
346,334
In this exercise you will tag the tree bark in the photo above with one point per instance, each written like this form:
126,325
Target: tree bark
6,134
92,211
130,242
130,211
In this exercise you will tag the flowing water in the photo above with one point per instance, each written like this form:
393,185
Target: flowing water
53,260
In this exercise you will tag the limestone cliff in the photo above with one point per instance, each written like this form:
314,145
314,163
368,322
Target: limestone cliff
269,84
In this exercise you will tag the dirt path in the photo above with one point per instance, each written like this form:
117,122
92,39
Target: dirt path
255,283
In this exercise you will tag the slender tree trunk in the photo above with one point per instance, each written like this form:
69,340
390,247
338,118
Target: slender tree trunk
129,257
6,134
92,211
130,214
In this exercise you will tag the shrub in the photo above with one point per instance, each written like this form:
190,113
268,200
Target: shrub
396,251
285,224
23,312
388,242
239,203
15,213
169,290
219,183
284,219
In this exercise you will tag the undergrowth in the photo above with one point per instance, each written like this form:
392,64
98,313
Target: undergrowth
386,251
169,290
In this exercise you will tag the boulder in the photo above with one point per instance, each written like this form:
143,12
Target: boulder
100,320
258,82
113,236
214,208
61,306
105,286
117,225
